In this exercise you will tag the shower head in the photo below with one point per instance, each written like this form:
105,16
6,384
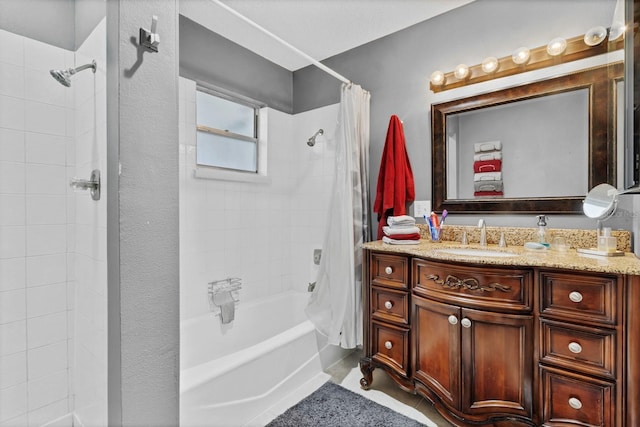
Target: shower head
64,76
312,141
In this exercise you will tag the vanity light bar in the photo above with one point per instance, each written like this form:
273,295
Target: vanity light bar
539,57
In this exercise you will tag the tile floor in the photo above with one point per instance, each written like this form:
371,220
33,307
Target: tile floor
383,391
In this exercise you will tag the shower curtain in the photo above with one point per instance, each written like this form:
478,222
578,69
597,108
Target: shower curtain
335,306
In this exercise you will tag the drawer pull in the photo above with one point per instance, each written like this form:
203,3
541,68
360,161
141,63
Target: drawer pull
575,403
388,345
388,305
575,348
466,323
453,320
575,296
388,270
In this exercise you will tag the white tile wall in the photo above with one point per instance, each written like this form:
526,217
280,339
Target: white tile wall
263,233
38,154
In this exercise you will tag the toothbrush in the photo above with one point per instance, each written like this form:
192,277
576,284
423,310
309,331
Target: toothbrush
444,216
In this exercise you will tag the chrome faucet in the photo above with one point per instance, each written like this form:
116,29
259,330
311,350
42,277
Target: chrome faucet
483,232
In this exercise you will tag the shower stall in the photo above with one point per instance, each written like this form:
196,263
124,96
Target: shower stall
53,304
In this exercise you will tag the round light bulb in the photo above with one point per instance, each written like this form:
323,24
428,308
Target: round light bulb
556,46
490,65
521,55
616,30
461,71
595,35
437,78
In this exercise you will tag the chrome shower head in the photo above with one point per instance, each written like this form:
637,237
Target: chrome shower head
64,76
312,141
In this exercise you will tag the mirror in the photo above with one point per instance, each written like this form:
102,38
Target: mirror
535,156
600,202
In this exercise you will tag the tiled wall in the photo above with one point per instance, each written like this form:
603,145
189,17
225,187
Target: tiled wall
263,233
38,236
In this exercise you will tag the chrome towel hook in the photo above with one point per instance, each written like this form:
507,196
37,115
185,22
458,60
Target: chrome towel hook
93,184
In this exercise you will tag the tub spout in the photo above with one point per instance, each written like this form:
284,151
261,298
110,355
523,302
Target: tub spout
227,305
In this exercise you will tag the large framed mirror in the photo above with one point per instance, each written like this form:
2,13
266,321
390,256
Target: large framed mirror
537,147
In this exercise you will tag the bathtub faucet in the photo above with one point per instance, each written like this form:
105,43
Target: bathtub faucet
223,296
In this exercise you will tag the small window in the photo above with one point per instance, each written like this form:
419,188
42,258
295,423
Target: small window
227,132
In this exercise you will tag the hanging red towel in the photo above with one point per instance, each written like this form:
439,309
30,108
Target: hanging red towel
395,178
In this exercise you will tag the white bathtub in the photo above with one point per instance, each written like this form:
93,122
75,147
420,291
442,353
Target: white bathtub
232,373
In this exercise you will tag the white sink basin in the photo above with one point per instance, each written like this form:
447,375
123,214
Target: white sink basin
477,252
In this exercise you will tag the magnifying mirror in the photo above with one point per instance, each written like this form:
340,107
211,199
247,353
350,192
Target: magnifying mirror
601,202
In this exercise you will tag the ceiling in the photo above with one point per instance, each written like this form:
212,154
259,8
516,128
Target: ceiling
319,28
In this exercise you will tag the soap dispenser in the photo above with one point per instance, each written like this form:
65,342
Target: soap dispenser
606,242
541,235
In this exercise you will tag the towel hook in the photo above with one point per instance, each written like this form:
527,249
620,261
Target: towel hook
150,39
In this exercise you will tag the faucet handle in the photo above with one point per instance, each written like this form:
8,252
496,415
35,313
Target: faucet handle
481,223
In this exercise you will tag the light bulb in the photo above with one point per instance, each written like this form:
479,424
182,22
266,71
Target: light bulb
437,78
461,71
521,55
490,65
556,46
595,35
616,31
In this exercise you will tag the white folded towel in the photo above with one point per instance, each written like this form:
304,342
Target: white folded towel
401,220
392,231
487,176
481,147
488,186
491,155
391,241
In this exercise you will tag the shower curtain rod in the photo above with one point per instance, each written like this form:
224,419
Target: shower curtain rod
284,43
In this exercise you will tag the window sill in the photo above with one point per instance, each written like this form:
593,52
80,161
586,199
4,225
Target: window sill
205,173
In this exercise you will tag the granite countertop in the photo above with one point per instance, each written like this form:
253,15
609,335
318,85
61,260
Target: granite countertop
627,264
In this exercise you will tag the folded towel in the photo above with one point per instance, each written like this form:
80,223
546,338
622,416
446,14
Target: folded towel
488,193
481,147
491,155
488,185
487,176
487,166
392,231
412,236
391,241
402,220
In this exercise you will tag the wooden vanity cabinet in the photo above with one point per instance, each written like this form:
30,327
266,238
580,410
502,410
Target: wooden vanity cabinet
501,345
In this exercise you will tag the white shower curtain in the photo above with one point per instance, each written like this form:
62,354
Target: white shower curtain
335,306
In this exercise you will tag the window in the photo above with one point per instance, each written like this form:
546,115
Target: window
227,132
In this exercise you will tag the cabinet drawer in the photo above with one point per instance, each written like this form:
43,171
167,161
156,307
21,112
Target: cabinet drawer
589,350
391,346
485,287
577,297
576,400
390,270
390,305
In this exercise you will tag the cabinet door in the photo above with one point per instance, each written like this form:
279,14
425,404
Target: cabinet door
437,348
497,363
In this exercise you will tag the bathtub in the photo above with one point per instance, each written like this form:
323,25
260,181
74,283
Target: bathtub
230,374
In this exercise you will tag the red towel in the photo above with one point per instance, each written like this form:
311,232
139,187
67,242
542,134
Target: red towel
487,166
487,193
395,178
412,236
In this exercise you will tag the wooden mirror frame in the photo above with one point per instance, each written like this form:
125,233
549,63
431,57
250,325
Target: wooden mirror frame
601,83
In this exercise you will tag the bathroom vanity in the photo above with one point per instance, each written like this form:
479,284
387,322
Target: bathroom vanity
521,338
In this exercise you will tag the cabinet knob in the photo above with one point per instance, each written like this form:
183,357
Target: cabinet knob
466,323
388,305
453,320
575,296
388,345
575,403
388,270
575,348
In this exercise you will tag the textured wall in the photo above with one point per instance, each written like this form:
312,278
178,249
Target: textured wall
142,116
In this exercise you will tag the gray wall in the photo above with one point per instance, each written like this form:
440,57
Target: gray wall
396,68
52,21
142,216
208,57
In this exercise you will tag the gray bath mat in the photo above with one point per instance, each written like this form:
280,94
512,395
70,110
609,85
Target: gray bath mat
335,406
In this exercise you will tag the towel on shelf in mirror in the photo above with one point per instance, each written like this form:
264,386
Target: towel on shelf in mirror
487,176
487,166
488,185
488,193
491,155
480,147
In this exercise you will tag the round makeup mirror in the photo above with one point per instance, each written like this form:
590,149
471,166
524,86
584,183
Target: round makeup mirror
601,202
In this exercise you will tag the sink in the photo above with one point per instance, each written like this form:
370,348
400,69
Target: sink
476,252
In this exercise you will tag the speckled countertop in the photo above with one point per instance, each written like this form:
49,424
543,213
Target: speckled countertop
572,260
